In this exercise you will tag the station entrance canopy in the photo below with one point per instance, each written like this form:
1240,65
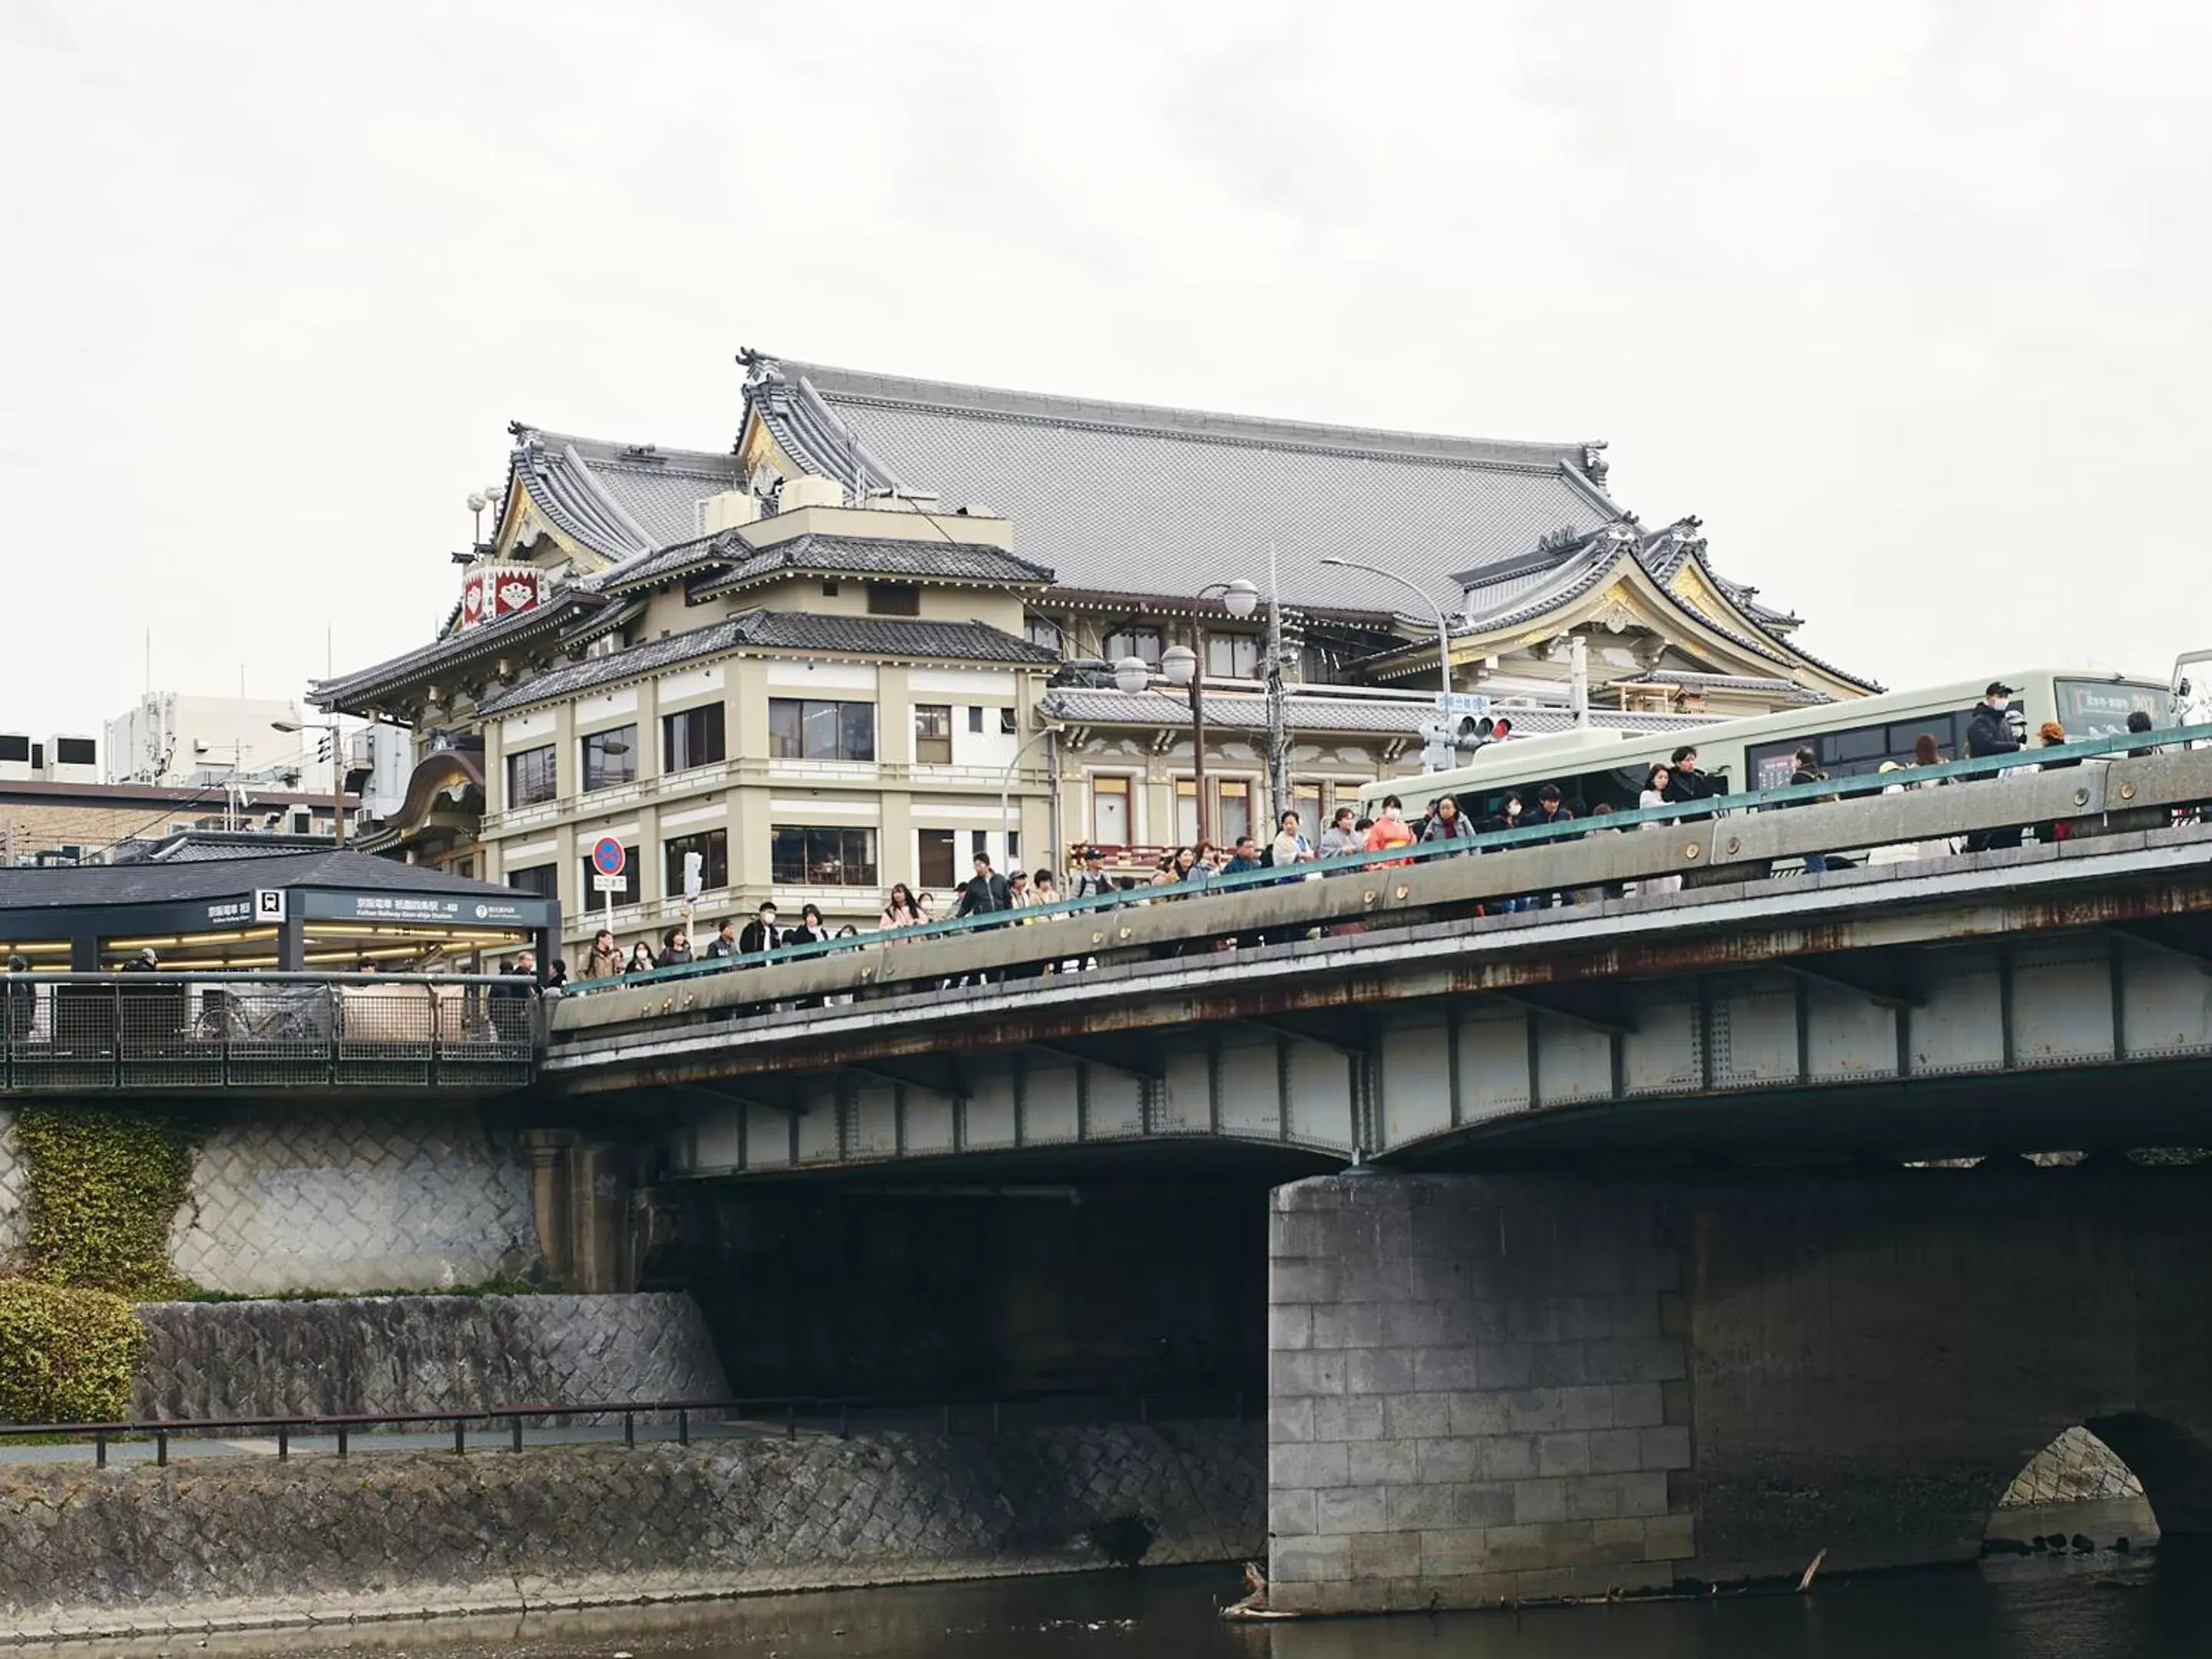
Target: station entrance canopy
332,911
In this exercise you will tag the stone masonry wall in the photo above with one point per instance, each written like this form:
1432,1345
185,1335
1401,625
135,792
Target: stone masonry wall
11,1187
232,1540
217,1360
1476,1392
354,1200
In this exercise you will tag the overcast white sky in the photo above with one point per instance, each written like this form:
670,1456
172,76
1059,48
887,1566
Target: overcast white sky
1905,299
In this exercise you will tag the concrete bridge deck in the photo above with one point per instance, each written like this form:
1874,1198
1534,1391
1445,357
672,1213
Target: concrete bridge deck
1917,1008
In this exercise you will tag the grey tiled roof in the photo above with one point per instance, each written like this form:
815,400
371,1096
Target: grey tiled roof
452,649
779,630
154,883
869,556
890,636
638,661
1237,711
1130,498
1774,686
620,500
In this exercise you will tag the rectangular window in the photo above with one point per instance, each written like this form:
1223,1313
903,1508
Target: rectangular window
1236,816
543,879
691,738
809,857
1232,656
1044,633
933,733
1305,801
1186,812
1142,643
811,728
713,847
14,746
894,599
1110,810
75,751
1009,722
934,867
975,719
531,777
632,876
611,759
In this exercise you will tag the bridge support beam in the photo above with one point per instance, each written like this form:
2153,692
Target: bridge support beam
1489,1388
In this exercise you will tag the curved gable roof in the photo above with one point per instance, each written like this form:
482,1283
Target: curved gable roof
1139,498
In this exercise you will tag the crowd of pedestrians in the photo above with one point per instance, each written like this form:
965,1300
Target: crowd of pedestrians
1390,837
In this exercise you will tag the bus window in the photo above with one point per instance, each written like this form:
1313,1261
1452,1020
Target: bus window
2100,708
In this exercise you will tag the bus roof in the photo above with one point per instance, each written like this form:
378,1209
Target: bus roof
1521,759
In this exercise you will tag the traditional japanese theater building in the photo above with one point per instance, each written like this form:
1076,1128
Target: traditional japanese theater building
875,636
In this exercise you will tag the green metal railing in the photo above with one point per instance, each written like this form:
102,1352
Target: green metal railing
1809,796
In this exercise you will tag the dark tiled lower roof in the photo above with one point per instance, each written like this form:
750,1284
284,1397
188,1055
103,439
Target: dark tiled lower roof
779,630
364,685
1238,711
159,884
872,555
891,636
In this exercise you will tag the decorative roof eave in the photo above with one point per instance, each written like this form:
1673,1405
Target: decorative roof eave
1106,601
656,570
1735,623
366,689
1603,587
721,584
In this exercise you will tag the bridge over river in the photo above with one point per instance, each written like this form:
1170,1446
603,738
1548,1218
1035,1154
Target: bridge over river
1686,1231
2055,993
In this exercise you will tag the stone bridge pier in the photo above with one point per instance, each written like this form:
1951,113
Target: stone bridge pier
1496,1388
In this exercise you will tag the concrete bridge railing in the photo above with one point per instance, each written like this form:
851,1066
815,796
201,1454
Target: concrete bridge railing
2104,790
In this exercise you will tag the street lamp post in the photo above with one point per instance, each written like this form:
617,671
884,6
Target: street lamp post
338,771
1444,628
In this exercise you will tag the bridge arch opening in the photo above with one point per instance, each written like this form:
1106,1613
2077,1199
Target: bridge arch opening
2121,1482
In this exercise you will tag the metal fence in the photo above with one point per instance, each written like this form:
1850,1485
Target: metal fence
63,1033
505,1426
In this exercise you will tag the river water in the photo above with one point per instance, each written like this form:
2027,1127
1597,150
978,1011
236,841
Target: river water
2104,1607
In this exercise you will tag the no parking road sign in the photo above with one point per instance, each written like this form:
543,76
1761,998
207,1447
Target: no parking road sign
607,856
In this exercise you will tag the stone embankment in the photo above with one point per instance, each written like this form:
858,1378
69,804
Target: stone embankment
236,1542
213,1361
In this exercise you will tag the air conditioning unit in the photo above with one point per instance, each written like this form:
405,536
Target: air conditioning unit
73,760
809,489
726,511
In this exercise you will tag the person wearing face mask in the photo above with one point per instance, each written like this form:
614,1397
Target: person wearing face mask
1990,731
761,933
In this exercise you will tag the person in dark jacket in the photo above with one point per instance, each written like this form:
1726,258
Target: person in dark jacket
1806,771
1684,782
2139,720
985,892
761,933
1246,857
1989,730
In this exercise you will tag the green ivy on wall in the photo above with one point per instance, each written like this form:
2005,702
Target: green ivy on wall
103,1186
66,1356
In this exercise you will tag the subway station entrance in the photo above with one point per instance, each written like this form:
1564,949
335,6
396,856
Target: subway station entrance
323,912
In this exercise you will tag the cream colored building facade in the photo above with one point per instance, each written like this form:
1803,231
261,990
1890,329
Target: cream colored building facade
819,659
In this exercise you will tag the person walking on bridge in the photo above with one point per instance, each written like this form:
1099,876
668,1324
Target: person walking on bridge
985,893
606,960
1991,729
